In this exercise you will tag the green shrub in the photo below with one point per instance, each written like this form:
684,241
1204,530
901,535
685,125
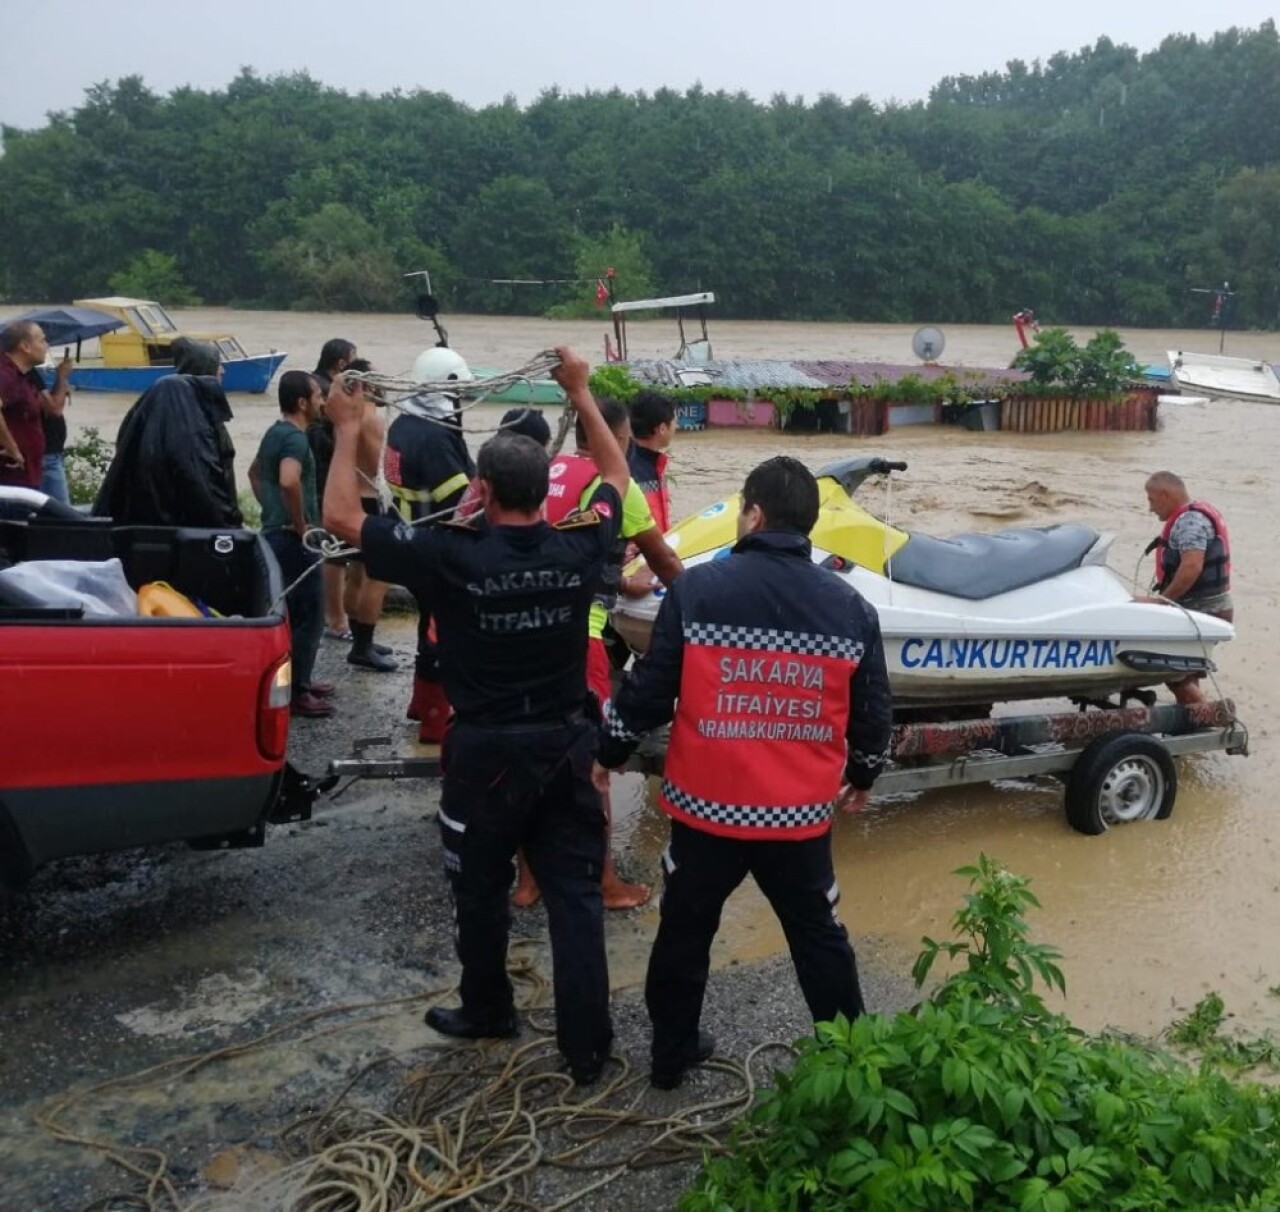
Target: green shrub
250,510
1102,368
155,275
86,461
982,1098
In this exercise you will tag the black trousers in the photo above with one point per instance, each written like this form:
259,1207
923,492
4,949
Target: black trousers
700,870
507,788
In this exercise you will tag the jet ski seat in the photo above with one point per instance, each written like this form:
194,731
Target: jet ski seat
976,566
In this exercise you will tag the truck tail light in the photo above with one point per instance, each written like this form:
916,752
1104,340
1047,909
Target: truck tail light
274,700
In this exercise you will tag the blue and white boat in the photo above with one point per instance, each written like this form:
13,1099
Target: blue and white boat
135,339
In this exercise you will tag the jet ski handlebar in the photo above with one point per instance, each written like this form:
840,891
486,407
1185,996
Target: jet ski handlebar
849,473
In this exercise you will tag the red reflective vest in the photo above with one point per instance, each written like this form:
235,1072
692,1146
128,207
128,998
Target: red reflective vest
568,479
648,470
758,746
1216,577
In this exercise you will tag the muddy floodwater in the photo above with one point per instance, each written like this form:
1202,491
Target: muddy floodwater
1149,916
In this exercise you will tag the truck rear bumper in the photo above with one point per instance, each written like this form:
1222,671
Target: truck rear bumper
45,823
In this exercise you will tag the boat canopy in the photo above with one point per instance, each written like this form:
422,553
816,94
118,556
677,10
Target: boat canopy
145,316
697,351
705,296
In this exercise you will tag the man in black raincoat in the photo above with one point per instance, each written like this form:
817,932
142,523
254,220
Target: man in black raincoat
175,463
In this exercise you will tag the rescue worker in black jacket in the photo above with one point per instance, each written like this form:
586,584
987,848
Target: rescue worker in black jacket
428,469
783,713
511,594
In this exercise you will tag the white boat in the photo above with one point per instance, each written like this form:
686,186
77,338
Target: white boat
976,619
1223,378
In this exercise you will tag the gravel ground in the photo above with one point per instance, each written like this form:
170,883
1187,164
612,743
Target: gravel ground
115,963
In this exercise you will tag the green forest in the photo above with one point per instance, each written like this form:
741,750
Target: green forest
1100,187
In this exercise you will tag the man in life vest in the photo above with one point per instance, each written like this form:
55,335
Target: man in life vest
653,425
428,469
1193,559
775,671
573,480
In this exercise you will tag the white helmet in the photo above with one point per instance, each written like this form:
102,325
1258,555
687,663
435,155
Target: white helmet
438,364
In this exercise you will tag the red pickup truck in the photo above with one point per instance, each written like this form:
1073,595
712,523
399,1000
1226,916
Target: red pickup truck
123,731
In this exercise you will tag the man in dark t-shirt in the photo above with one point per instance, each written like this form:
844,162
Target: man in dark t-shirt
283,477
511,596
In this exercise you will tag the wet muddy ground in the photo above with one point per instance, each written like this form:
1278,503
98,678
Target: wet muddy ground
113,964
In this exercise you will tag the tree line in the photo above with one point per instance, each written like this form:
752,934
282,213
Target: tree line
1098,187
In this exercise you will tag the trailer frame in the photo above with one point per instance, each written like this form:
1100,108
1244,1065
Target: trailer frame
1116,762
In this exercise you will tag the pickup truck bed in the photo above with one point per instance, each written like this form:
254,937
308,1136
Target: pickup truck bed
119,732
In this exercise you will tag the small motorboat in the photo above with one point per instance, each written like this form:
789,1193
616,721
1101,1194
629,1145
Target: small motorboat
135,339
975,619
1224,378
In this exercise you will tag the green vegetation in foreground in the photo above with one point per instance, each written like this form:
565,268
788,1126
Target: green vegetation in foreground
982,1098
1097,187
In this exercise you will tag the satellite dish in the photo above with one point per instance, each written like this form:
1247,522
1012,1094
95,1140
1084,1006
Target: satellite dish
928,344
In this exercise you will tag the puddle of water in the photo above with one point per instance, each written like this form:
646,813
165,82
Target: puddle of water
217,1003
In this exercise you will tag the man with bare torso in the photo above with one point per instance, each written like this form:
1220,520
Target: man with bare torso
367,595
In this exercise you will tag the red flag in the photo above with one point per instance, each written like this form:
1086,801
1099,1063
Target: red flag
602,293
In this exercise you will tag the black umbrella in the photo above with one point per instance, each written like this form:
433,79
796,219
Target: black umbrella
65,325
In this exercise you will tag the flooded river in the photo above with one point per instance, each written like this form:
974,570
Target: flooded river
1149,917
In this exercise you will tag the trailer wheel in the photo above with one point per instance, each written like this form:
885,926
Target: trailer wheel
1125,777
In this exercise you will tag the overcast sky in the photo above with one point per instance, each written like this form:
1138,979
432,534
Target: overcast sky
480,50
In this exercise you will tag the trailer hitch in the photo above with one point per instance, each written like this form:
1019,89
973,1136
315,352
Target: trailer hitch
298,794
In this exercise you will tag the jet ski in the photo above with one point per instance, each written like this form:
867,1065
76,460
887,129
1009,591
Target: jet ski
975,619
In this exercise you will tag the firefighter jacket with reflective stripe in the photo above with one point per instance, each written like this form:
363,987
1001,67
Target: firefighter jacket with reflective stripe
427,464
775,669
1216,577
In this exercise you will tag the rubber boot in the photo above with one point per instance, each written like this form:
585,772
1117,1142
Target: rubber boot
414,710
363,652
433,711
380,649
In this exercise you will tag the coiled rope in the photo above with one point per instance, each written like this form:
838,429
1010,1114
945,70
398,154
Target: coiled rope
393,390
481,1125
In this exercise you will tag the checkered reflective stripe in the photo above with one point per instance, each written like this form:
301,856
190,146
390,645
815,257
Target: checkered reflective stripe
743,815
614,726
873,761
767,639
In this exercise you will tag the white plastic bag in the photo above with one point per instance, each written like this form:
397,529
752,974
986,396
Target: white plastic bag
97,586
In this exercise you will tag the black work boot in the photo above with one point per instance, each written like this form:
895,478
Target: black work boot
668,1079
364,652
457,1023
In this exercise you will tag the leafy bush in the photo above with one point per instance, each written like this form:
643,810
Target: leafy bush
950,388
1102,368
250,510
86,461
982,1098
155,275
614,381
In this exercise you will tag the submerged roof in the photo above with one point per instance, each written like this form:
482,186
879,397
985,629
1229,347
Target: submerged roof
759,373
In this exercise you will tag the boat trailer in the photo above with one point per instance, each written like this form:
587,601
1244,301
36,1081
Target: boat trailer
1117,763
